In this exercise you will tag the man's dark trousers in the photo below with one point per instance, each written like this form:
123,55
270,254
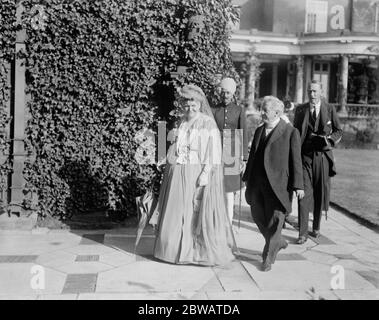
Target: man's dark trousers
267,211
316,183
268,214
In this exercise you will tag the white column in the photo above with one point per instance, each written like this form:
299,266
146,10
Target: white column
243,76
299,79
274,83
251,82
343,83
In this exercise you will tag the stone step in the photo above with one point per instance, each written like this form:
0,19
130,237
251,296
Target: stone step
19,223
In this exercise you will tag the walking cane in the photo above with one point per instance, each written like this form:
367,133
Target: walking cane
239,209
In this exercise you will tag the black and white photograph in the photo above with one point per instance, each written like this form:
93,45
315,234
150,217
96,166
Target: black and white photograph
201,151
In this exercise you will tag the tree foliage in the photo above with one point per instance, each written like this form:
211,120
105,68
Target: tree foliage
91,69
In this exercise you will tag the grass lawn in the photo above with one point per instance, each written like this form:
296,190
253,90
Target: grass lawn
356,185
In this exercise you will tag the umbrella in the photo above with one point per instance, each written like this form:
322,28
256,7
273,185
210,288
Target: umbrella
146,207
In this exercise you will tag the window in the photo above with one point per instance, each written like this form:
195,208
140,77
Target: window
321,72
316,16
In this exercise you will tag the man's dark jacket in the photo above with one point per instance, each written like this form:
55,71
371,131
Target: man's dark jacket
282,163
329,126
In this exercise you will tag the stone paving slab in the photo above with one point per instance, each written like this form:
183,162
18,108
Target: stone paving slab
235,278
213,285
319,257
296,275
118,258
55,259
371,276
152,276
16,279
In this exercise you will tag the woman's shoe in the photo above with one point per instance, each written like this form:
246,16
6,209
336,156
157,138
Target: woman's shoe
301,240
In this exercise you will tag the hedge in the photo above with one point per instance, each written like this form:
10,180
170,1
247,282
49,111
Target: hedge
92,68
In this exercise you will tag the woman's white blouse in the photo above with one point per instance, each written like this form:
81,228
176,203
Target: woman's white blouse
198,142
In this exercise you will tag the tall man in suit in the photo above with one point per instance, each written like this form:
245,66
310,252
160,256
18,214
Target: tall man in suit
320,131
272,173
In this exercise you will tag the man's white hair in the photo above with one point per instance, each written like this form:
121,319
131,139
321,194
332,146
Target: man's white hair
273,103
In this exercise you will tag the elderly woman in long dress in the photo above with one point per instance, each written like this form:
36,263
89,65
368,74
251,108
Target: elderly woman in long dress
193,225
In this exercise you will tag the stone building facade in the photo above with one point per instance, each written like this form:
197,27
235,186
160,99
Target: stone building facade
295,41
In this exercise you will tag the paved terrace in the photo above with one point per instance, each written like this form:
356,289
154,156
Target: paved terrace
103,265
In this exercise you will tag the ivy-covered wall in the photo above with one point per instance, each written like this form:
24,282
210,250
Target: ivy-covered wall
92,67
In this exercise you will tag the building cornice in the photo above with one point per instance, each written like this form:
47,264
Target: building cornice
271,43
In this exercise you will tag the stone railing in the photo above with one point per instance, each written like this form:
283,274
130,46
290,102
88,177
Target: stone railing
360,110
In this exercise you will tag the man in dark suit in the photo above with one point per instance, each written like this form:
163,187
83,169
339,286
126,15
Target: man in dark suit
320,131
272,173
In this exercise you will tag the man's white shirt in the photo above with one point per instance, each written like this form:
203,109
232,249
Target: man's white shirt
316,106
271,127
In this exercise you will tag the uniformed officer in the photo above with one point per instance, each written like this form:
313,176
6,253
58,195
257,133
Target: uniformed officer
231,121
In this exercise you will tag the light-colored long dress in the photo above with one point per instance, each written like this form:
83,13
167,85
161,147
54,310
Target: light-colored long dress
193,226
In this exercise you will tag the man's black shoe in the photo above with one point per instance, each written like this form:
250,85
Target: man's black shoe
301,240
315,234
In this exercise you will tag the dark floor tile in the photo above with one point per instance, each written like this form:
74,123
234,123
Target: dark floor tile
18,259
80,283
290,257
86,258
